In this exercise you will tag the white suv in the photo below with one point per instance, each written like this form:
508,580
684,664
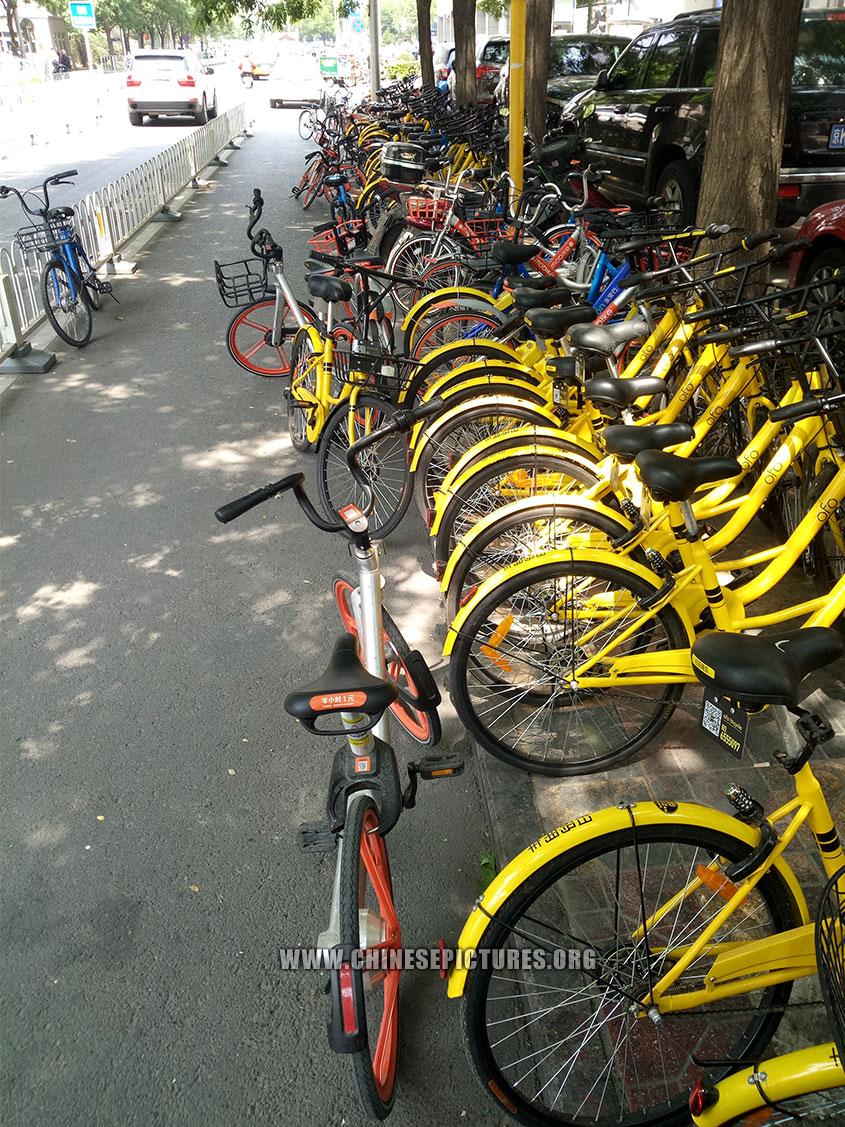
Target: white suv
168,82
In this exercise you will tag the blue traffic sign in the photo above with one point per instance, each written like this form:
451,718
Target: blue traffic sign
82,14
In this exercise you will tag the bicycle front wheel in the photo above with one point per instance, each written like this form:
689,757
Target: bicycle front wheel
513,667
385,464
303,378
307,124
368,923
420,722
250,334
566,1041
65,304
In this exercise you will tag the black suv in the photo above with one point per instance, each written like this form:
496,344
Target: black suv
647,117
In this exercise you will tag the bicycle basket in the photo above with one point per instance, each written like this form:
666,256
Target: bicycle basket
242,282
340,238
40,237
426,213
366,364
830,954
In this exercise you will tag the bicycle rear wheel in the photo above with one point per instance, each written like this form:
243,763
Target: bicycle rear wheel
65,303
385,464
564,1041
251,331
303,377
422,723
368,923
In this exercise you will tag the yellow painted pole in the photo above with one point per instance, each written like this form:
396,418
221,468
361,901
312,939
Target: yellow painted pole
516,120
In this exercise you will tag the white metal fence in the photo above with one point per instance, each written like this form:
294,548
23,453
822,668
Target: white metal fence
107,220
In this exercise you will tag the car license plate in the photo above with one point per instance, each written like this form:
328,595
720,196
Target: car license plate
837,137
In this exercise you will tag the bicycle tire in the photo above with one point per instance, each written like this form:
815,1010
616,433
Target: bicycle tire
584,1061
520,531
408,261
304,362
249,332
70,316
448,442
458,325
511,670
507,478
448,358
385,464
307,124
422,724
311,184
366,894
92,293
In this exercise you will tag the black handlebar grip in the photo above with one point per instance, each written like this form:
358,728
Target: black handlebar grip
803,410
4,191
237,508
752,241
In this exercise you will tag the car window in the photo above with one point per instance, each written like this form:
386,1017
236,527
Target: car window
702,69
495,53
629,66
820,54
581,58
168,63
667,59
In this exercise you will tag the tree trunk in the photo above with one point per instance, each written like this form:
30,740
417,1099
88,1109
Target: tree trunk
11,23
463,13
745,139
424,37
538,33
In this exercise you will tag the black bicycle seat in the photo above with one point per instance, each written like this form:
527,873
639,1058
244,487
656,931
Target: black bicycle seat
556,322
623,392
754,670
670,478
513,254
344,686
330,289
628,441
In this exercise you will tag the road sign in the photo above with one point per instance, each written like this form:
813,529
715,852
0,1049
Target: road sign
357,25
82,14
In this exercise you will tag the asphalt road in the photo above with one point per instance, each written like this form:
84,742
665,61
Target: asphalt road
152,782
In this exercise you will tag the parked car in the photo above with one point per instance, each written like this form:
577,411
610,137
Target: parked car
489,62
647,118
490,58
574,62
295,80
261,68
825,228
444,58
165,82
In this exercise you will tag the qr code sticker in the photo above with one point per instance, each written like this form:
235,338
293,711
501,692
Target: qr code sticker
712,718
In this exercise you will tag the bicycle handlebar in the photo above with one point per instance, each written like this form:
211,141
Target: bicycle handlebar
56,178
402,421
806,408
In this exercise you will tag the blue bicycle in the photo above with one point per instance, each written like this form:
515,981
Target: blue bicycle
70,288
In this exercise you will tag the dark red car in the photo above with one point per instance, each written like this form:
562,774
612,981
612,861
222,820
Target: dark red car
825,228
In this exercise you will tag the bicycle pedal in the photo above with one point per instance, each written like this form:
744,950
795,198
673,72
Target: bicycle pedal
441,766
317,837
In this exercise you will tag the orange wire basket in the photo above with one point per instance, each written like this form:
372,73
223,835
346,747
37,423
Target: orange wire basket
427,213
340,238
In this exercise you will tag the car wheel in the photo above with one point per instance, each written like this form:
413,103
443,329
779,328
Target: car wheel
135,118
677,186
820,274
201,116
212,113
826,264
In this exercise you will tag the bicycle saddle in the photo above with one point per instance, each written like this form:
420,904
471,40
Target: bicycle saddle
670,478
623,392
755,670
566,367
344,686
60,213
530,284
335,179
628,441
513,254
526,299
330,289
605,339
556,322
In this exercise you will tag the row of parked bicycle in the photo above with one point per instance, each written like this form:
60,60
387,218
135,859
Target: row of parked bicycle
590,408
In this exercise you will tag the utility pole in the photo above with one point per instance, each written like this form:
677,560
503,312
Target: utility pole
375,29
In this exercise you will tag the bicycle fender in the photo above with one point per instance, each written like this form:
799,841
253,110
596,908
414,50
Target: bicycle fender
449,295
584,555
454,482
582,829
466,373
420,436
570,501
